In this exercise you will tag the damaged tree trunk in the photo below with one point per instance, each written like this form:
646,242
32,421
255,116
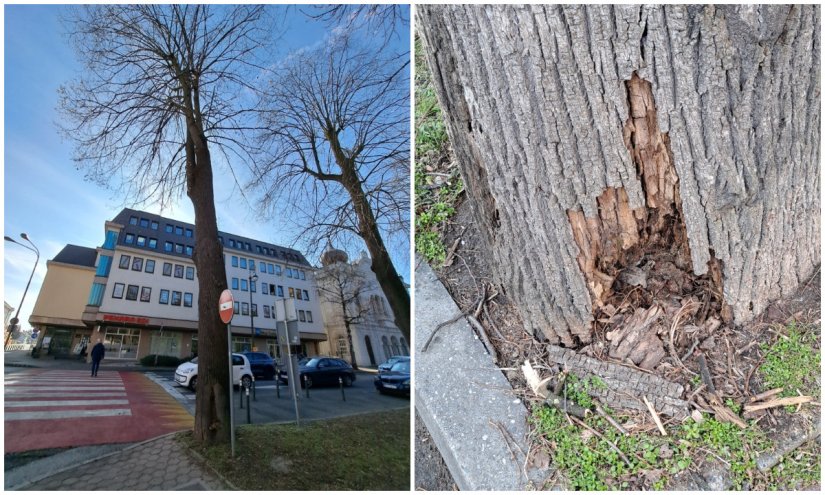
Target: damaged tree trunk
610,149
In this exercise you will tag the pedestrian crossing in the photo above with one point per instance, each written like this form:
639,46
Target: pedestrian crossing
63,394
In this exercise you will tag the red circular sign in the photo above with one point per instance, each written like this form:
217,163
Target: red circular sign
226,306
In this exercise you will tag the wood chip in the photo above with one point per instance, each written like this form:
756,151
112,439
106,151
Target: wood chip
766,395
785,401
537,385
655,416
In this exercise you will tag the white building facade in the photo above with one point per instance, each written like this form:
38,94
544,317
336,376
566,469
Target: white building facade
375,337
144,298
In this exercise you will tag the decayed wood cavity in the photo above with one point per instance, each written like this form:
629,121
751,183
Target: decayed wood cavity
619,235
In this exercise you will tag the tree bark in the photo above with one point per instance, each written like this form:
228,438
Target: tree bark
582,131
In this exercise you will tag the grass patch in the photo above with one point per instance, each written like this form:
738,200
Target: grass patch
798,470
364,452
588,462
434,204
792,361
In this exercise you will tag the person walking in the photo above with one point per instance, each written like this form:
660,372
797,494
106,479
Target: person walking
98,351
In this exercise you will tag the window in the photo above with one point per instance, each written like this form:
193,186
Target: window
179,248
301,315
167,269
132,292
343,348
289,272
168,246
175,298
144,222
133,220
248,247
145,294
292,293
141,240
137,264
169,228
396,350
303,275
178,271
190,273
130,239
306,296
237,307
298,294
251,265
178,230
269,268
254,310
258,249
234,259
187,299
231,243
264,288
252,285
235,283
244,286
150,266
277,270
117,292
153,243
280,291
154,225
188,232
263,267
164,296
189,250
274,316
243,263
309,316
266,311
244,309
124,261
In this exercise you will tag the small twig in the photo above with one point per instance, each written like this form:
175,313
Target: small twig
750,374
482,334
602,437
690,351
705,373
451,321
676,320
560,382
507,441
601,412
786,401
655,416
766,395
487,317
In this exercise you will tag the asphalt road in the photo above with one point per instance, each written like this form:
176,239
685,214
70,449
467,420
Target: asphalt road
322,403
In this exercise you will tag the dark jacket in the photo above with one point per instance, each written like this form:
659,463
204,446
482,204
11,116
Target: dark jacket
98,351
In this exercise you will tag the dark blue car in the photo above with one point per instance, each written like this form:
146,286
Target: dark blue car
396,380
262,364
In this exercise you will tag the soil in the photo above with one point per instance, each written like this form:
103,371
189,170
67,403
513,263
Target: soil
732,353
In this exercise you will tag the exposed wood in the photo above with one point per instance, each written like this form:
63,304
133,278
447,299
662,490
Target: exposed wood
539,101
615,424
655,415
534,381
785,401
767,394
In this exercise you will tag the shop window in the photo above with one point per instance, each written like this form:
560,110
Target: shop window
132,292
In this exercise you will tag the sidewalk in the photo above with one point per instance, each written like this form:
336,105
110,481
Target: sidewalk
23,359
158,464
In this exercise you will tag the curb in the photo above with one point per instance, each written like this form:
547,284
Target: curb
215,472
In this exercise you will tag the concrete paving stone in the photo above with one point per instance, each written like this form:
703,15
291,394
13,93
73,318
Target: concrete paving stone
459,392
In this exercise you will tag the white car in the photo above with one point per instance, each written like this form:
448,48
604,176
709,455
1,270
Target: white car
187,373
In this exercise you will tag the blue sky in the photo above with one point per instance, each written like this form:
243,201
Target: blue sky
44,193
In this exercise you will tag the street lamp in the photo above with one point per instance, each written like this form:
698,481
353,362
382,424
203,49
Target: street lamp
15,320
253,277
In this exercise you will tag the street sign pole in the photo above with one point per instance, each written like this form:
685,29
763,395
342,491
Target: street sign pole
226,305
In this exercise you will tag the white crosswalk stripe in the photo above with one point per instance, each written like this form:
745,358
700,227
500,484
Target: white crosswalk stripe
63,394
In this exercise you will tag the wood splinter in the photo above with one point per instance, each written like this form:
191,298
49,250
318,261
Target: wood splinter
655,417
786,401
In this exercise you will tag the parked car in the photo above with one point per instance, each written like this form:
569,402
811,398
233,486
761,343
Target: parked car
396,380
386,366
187,373
262,364
322,370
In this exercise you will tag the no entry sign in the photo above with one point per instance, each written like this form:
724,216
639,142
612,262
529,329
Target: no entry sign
226,306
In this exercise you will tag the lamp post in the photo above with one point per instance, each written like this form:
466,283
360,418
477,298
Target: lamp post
13,322
253,277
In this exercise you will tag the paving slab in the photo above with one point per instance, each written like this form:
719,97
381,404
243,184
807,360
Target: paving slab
462,396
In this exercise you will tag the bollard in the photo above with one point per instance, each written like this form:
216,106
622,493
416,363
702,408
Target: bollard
278,385
254,397
341,383
306,387
240,392
248,406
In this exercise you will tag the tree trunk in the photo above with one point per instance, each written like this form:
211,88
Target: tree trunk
212,400
586,135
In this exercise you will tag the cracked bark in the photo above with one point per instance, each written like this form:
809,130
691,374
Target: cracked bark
540,106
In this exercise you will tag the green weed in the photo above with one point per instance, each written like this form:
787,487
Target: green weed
792,361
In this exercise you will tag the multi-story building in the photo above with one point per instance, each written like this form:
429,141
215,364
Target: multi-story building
352,287
144,296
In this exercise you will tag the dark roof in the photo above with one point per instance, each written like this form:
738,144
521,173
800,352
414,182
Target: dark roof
77,255
267,250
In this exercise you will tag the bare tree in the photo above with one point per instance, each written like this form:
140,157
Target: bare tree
341,284
337,153
162,89
377,18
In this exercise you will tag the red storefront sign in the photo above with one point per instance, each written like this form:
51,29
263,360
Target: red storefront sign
126,319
